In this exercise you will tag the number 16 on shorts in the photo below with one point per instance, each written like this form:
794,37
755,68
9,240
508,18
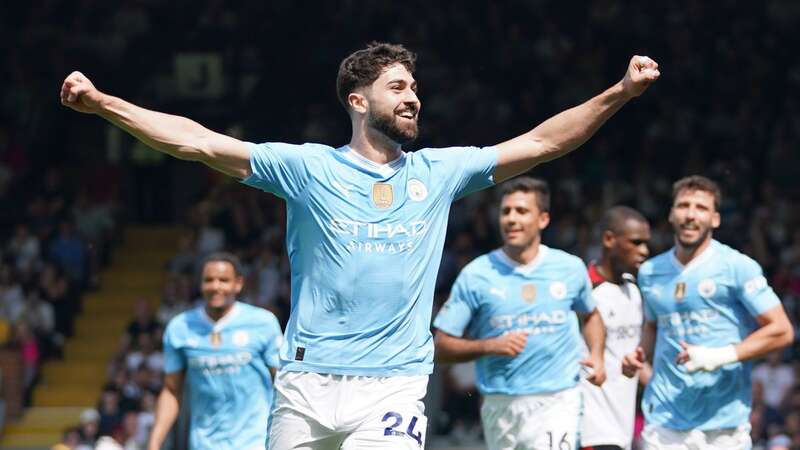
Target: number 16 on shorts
410,427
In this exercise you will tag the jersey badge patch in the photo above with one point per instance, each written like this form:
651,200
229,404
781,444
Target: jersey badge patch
382,195
680,291
416,190
707,288
241,338
529,293
215,338
558,290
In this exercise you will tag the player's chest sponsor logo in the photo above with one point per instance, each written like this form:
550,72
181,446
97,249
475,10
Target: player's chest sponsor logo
241,338
382,195
558,290
528,293
533,319
416,190
707,288
220,360
680,291
346,227
192,342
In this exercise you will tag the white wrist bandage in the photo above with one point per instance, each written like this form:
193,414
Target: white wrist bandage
710,358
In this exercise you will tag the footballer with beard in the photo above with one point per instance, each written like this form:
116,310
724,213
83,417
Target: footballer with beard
366,226
709,312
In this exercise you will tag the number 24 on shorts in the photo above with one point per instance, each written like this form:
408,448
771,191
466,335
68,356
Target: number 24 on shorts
398,421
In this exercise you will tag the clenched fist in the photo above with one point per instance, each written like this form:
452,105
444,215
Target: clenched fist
79,93
511,344
641,72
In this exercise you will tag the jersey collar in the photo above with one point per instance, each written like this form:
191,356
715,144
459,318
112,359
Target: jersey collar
220,324
384,170
524,269
595,276
697,261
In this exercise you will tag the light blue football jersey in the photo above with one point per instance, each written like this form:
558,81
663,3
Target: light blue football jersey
230,387
365,241
713,302
494,295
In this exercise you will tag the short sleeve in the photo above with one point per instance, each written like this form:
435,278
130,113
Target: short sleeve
457,312
174,358
467,169
753,290
584,300
274,340
278,168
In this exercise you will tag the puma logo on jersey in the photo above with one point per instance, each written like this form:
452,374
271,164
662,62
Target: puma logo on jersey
498,292
345,190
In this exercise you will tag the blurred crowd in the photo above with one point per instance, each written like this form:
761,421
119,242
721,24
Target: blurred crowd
724,107
56,237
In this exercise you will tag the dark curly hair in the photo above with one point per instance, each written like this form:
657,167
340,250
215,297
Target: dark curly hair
364,66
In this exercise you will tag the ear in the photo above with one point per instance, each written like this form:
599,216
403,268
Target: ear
544,220
357,102
238,285
609,239
716,220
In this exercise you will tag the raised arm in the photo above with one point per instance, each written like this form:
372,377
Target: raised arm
452,349
167,407
177,136
569,129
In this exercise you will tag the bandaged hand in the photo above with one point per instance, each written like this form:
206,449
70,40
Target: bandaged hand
698,357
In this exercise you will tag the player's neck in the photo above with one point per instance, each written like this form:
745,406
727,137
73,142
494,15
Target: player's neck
606,269
685,254
523,255
216,314
374,146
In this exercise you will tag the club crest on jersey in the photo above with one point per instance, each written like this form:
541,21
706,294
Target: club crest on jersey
680,291
416,190
707,288
529,293
558,290
241,338
215,338
382,195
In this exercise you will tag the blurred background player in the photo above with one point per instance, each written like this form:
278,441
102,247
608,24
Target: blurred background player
366,227
514,311
609,410
227,353
708,312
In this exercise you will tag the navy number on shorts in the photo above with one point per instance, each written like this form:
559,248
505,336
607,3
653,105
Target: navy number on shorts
398,420
562,445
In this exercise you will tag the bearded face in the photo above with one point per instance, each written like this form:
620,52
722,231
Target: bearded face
399,125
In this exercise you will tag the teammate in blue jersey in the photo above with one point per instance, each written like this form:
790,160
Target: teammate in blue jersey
366,225
708,312
226,353
514,310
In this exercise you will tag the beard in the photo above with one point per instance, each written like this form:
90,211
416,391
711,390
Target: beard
692,243
388,125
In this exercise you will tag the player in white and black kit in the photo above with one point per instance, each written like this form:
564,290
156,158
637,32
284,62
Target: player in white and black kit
609,409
